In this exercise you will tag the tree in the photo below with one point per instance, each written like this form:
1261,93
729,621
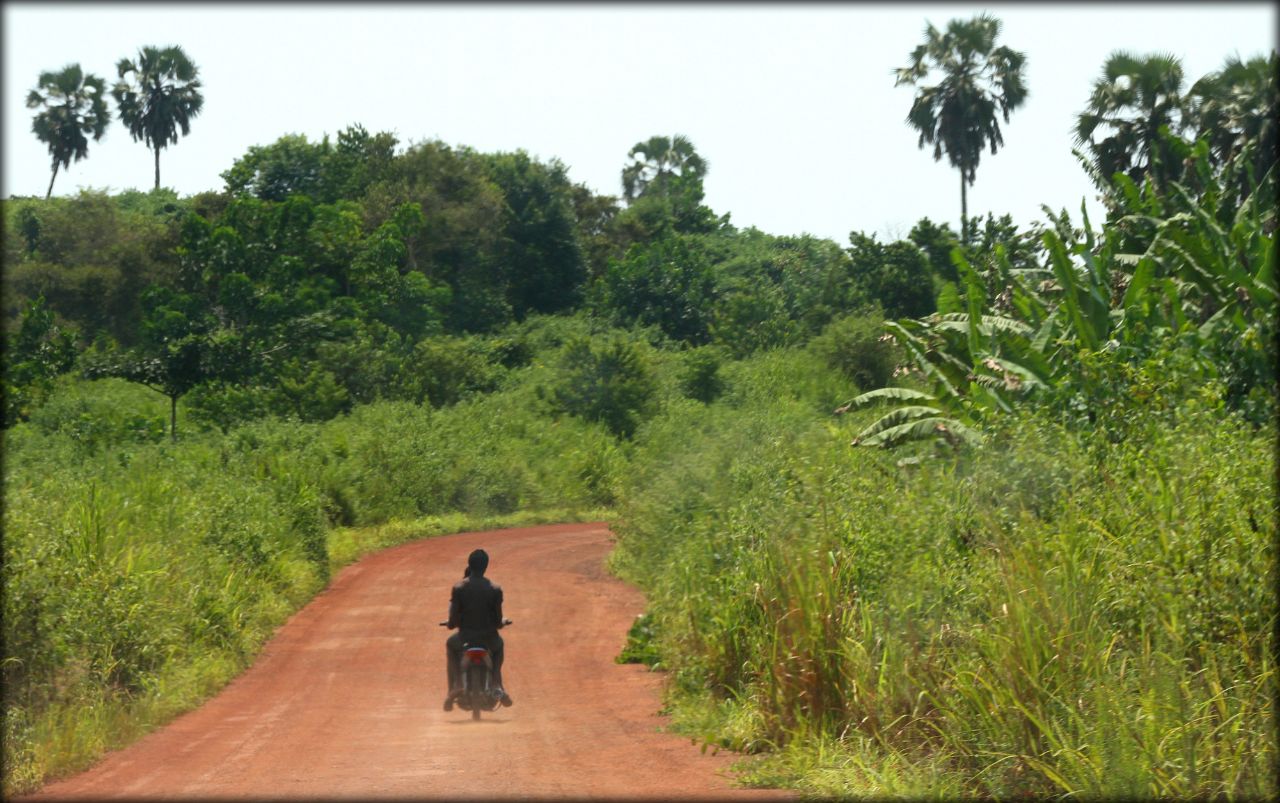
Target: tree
460,239
659,160
1133,100
663,189
357,161
325,313
610,381
958,115
74,108
1236,110
595,215
540,247
893,275
161,99
668,283
855,346
90,255
38,352
936,242
699,374
324,171
181,348
289,166
812,274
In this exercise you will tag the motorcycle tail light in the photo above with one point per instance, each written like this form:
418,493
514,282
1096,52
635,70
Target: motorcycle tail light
477,656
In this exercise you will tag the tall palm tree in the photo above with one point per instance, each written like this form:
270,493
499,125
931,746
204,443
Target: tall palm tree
162,97
1238,107
657,161
75,108
1131,102
979,83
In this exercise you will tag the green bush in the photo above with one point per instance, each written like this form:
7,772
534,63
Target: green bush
104,412
699,375
857,347
612,382
444,370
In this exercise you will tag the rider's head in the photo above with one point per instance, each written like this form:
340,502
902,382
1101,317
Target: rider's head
477,562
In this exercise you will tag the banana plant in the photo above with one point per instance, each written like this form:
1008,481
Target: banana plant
1211,284
923,416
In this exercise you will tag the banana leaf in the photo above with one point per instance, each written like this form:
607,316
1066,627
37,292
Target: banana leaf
918,350
1142,277
991,325
1030,377
1067,277
891,394
923,429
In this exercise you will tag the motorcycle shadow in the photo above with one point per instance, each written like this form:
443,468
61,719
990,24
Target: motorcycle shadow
483,721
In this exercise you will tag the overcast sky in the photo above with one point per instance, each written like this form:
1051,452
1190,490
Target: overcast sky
793,106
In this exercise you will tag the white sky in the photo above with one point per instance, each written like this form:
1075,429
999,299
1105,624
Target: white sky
794,106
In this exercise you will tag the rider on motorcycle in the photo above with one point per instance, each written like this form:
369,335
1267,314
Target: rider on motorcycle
475,608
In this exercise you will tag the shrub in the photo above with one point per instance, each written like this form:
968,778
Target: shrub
855,345
444,370
699,374
611,382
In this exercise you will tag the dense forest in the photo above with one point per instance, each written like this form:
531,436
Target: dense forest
983,511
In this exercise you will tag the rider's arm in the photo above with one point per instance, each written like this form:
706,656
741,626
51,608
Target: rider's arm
454,608
497,605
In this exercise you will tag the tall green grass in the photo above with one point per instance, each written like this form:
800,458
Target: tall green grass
1052,615
1055,614
141,575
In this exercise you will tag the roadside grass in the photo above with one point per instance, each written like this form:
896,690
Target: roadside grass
141,575
349,544
1053,615
70,736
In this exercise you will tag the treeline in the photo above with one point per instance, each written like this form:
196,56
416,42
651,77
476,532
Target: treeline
320,277
309,283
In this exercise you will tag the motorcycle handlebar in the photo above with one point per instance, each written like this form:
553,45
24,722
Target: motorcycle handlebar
505,622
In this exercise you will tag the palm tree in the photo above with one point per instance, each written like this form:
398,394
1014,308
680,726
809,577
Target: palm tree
1237,107
1133,100
163,97
659,160
958,115
75,108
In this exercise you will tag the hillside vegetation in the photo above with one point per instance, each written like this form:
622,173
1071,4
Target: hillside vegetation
982,513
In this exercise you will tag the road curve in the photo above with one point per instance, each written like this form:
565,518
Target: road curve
345,700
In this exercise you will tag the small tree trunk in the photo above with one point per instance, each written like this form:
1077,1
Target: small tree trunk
173,418
157,167
51,178
964,211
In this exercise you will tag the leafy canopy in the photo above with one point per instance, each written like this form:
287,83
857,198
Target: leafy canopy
158,95
979,83
73,109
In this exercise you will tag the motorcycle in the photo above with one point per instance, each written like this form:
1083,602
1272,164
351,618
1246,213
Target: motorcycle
476,671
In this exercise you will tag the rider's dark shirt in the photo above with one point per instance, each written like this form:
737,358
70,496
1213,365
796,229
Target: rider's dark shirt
475,605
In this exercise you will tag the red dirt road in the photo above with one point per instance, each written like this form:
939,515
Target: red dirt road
345,700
